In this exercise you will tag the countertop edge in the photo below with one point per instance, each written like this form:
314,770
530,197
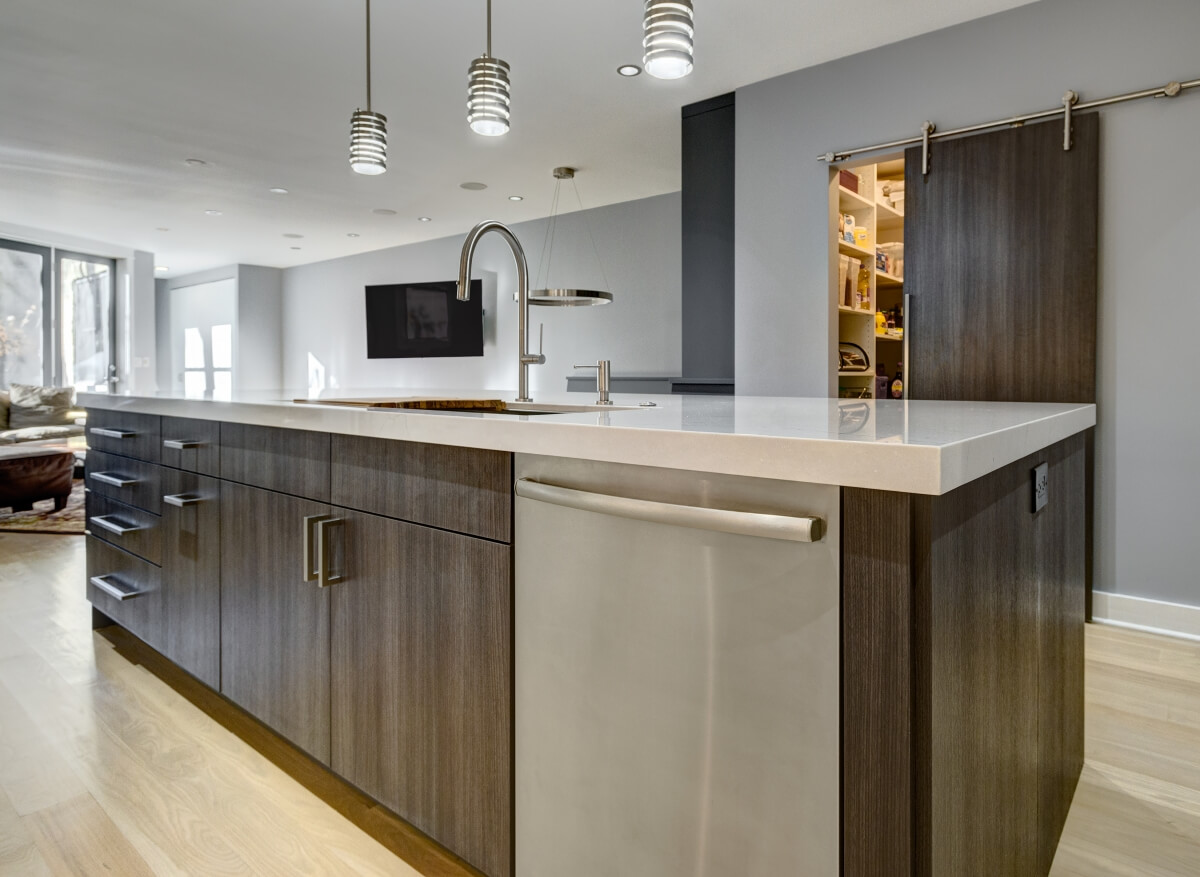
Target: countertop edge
891,466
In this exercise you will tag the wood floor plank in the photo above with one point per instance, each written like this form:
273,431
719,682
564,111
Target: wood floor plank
18,852
77,838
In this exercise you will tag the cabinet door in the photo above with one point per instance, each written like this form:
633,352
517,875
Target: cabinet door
274,625
422,681
191,559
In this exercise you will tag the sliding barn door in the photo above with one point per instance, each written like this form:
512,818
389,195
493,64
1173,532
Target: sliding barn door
1000,253
1000,260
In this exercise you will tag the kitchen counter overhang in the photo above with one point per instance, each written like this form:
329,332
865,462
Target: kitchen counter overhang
920,447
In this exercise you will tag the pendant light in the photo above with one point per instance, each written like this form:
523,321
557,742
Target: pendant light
488,90
668,29
368,129
566,297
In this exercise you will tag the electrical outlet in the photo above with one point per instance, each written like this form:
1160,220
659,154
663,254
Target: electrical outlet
1041,486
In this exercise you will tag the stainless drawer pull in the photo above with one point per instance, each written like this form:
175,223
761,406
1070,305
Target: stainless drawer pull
115,588
182,500
114,525
793,528
112,433
182,444
311,549
325,574
114,480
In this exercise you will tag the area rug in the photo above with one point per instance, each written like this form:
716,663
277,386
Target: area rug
44,519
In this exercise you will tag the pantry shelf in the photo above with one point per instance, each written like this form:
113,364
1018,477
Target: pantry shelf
849,249
884,279
849,196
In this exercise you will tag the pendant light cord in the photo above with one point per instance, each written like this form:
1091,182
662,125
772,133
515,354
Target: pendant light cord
489,34
368,55
588,225
548,241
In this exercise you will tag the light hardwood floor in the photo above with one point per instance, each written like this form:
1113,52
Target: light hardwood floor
107,769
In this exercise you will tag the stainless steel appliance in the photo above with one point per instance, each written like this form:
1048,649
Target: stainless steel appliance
677,687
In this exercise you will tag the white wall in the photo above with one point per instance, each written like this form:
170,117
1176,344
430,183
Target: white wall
639,243
259,333
1018,61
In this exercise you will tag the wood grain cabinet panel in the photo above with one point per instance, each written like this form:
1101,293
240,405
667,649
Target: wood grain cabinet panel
120,432
422,681
192,445
274,625
133,482
143,615
191,552
467,490
290,461
141,529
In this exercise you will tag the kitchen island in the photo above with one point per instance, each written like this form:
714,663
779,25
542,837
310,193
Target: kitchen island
930,676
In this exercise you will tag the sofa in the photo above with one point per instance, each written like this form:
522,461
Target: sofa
36,414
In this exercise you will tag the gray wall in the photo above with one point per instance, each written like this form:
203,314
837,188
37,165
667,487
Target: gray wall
324,319
1018,61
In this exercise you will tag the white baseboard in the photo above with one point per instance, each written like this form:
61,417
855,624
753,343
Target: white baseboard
1154,616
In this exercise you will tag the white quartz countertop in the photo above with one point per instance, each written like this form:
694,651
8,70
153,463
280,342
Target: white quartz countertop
912,447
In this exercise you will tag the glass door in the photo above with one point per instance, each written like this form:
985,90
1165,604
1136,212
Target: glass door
85,318
24,296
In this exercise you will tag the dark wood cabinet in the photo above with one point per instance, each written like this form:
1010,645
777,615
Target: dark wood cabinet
421,680
291,461
191,445
124,433
191,554
274,624
127,589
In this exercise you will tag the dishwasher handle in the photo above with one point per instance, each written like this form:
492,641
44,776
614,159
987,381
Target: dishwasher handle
792,528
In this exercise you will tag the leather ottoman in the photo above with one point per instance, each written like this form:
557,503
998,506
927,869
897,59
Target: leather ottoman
30,474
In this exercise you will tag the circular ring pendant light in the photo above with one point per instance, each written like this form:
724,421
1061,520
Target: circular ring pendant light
668,40
489,91
368,129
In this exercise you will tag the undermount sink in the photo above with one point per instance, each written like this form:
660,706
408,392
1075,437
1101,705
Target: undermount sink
469,406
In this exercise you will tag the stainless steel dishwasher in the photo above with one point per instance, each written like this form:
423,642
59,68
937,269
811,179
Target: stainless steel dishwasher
677,673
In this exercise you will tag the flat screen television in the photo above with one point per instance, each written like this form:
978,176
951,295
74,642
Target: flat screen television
424,319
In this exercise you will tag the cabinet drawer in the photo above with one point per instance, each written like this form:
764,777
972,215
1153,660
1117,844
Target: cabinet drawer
119,432
191,445
130,481
466,490
133,529
140,606
293,461
191,569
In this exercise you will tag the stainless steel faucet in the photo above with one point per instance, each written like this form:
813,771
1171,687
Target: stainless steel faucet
524,357
602,367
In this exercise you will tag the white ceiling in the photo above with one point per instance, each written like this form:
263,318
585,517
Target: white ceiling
102,102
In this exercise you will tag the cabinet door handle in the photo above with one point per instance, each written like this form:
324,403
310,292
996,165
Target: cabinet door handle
116,588
325,574
114,525
182,444
312,547
182,500
112,433
113,480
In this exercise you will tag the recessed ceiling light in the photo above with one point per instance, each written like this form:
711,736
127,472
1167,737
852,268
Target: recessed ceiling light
277,190
295,248
292,234
384,211
473,187
161,268
351,234
196,162
212,213
162,228
424,219
516,198
629,69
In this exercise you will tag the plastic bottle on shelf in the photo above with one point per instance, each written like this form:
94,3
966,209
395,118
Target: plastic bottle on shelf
881,381
898,382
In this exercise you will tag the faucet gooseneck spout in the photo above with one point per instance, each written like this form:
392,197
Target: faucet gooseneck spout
524,357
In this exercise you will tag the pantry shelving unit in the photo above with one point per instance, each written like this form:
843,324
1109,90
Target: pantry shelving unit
880,223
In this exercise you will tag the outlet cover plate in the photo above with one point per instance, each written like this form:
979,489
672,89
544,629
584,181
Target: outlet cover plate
1041,486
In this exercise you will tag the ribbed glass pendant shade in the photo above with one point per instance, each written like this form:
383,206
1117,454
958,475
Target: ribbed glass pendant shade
368,142
488,96
669,30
